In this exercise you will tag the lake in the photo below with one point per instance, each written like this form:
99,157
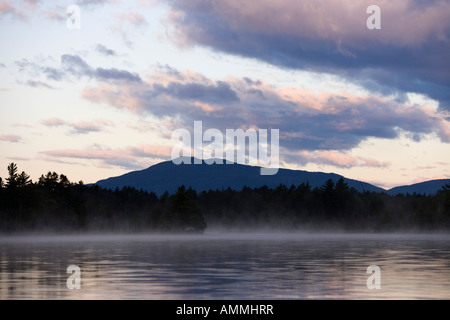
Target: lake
220,265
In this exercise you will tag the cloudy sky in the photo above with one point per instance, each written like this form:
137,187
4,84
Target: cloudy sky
102,100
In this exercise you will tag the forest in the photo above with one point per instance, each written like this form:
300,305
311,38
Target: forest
55,204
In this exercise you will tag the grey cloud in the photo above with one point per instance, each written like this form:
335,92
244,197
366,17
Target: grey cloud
115,74
289,35
73,65
219,93
53,73
343,124
105,51
92,3
38,84
76,66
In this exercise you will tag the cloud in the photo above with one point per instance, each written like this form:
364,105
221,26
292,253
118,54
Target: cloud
19,158
93,3
130,157
36,70
115,74
337,159
105,51
127,24
84,127
56,15
80,127
53,122
408,54
133,18
38,84
10,138
220,92
307,120
76,66
147,150
73,66
7,9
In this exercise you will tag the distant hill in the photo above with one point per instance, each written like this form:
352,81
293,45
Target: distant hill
166,176
427,187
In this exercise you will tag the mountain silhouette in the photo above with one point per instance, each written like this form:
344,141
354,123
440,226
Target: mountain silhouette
167,176
426,187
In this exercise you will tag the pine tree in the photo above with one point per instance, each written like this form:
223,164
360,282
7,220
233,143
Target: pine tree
11,181
63,181
184,214
49,181
23,180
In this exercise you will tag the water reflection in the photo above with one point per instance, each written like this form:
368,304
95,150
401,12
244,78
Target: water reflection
226,266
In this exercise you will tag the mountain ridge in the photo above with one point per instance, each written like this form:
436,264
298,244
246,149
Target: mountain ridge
167,176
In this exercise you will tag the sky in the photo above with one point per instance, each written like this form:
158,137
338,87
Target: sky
98,92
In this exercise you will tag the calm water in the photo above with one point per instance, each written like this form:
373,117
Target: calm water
226,266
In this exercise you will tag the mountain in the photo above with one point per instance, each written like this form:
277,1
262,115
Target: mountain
167,176
427,187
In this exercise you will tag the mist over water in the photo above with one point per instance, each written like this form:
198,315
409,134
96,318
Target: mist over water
226,265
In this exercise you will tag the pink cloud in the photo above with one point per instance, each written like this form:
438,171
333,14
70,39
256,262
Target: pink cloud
7,8
80,126
133,18
90,126
341,159
90,153
56,15
146,150
342,21
126,25
53,122
130,157
86,126
10,138
120,97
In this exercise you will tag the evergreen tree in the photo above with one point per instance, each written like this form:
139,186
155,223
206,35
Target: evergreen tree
63,181
341,186
49,181
23,180
328,187
184,214
11,181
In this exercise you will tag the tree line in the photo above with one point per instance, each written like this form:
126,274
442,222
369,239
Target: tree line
54,203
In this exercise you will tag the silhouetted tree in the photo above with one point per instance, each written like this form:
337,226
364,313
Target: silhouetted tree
328,196
49,181
23,180
57,203
328,187
63,181
341,186
11,181
184,214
